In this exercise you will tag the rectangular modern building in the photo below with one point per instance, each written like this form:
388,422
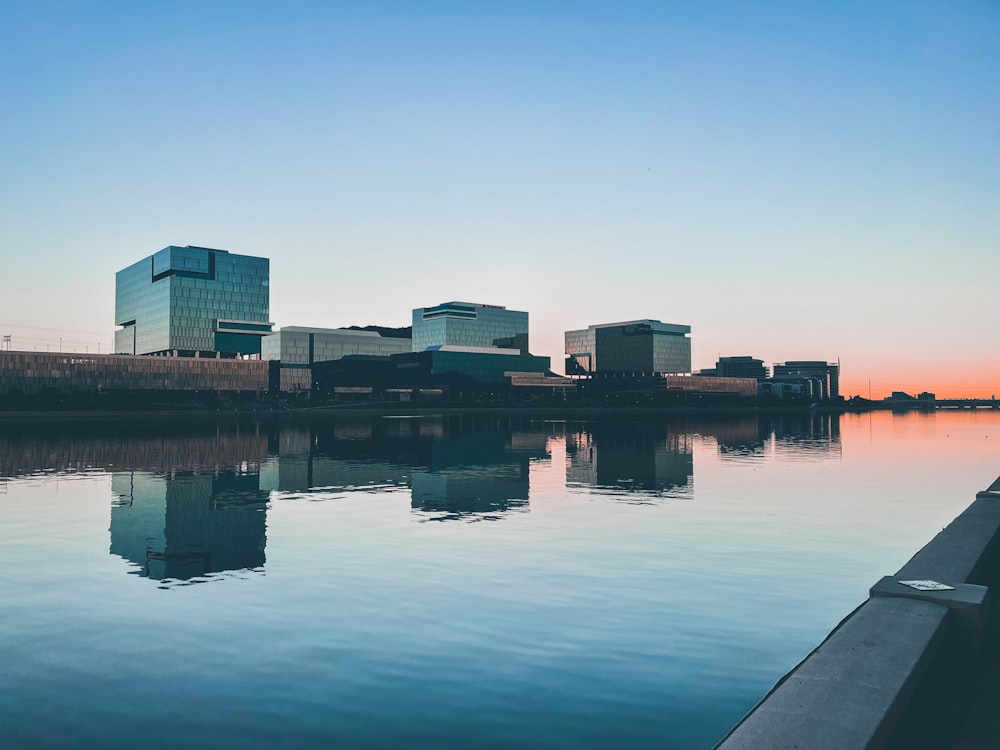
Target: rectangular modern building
192,301
825,376
739,367
470,324
635,346
297,348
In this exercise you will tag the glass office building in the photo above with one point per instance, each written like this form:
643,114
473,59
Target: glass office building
470,324
636,346
298,348
187,301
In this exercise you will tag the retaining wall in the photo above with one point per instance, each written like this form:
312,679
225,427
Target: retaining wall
850,692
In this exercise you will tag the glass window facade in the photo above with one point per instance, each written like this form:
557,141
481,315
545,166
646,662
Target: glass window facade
638,346
297,348
469,324
192,299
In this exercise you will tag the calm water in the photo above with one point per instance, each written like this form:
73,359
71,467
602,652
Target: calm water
446,581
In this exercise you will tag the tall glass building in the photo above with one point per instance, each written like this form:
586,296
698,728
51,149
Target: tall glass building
470,324
192,300
635,346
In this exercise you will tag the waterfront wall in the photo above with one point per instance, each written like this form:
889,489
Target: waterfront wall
852,690
35,373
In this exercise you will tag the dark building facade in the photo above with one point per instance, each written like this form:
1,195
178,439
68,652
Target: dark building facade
825,376
741,367
637,346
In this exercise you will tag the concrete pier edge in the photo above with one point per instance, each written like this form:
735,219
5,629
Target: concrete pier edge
851,690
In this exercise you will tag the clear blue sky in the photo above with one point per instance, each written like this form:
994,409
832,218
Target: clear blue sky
795,180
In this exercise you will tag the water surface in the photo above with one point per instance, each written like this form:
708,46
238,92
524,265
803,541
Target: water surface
447,580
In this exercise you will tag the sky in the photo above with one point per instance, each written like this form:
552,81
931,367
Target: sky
794,180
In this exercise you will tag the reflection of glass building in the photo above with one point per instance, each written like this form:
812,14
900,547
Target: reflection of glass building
474,472
186,526
470,324
192,300
455,467
635,458
637,346
342,456
816,435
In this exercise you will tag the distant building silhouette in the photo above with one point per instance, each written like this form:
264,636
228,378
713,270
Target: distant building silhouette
636,346
738,367
820,380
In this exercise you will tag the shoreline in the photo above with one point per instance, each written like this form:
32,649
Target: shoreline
575,411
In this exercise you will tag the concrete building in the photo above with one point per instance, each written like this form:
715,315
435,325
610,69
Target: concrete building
635,346
192,301
297,348
470,324
51,373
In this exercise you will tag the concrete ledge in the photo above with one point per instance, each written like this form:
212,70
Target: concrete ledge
967,601
993,488
842,695
959,551
850,692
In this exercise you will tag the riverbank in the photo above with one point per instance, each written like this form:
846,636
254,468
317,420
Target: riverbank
269,412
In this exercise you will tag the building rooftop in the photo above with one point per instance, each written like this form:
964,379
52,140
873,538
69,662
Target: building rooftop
339,331
654,324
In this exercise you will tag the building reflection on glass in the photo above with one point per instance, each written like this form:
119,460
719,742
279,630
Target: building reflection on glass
638,459
186,526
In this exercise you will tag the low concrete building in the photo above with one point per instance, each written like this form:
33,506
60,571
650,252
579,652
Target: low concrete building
66,374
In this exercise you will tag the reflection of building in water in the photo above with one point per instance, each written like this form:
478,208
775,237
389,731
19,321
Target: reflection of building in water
142,447
483,490
345,455
736,437
816,435
475,472
634,457
454,465
804,435
182,526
